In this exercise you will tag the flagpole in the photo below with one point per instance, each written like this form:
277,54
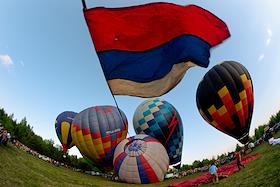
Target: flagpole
84,4
85,7
118,107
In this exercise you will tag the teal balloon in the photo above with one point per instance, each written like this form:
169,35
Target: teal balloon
159,119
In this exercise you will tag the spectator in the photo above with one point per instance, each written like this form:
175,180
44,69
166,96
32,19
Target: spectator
4,137
213,171
273,141
238,160
267,135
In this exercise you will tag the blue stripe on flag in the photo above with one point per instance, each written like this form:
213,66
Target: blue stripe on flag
154,64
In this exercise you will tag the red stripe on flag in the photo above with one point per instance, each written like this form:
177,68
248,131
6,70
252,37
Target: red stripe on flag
155,24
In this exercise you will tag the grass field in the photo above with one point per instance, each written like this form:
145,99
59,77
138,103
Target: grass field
263,171
18,168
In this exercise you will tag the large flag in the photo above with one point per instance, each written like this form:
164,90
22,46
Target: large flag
146,50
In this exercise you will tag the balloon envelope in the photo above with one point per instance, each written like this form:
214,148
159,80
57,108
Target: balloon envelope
141,159
225,99
159,119
96,132
63,129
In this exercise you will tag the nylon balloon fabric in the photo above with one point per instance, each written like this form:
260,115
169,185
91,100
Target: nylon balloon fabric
97,131
225,99
63,129
141,159
159,119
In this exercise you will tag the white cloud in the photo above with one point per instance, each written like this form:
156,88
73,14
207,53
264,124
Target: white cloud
269,36
6,60
261,57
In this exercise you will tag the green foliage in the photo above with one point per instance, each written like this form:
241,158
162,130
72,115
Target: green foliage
185,167
14,164
238,148
197,164
23,132
274,119
259,132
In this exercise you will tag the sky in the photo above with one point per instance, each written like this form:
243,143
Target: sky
48,65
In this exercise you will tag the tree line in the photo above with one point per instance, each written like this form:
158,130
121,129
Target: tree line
259,132
24,133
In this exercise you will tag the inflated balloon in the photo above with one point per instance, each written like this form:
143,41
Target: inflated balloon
159,119
225,99
63,129
96,132
141,159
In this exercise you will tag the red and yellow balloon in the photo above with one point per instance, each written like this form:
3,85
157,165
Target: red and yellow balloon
225,99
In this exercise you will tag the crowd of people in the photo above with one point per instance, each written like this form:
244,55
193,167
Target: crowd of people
268,135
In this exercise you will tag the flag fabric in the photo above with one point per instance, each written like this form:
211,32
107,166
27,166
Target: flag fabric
145,50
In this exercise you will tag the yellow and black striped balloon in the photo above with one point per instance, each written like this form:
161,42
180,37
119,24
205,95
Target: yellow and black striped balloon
225,99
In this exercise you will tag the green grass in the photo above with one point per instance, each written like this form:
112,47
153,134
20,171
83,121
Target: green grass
263,171
18,168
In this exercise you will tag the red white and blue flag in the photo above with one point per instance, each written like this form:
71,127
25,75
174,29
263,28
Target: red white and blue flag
145,50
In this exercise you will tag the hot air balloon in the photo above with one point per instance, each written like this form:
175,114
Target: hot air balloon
225,99
97,131
159,119
141,159
63,129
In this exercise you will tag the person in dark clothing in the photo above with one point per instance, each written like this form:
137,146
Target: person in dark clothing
4,137
238,160
268,135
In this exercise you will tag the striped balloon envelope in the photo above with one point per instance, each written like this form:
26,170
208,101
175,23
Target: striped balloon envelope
97,131
63,129
225,99
159,119
141,159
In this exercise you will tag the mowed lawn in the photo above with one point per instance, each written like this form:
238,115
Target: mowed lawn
263,171
18,168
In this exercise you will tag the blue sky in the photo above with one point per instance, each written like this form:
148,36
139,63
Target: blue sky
48,65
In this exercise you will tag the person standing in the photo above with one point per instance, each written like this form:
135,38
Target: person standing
4,137
213,170
238,160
